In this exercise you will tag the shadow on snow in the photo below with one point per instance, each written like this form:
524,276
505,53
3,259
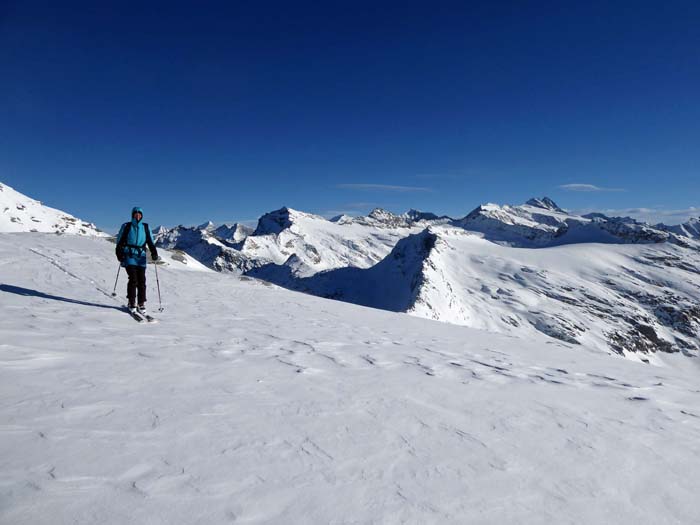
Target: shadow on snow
28,292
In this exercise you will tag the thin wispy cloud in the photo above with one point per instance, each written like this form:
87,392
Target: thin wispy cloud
383,187
587,188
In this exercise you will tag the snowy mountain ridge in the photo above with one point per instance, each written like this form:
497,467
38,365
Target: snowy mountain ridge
542,223
19,213
310,243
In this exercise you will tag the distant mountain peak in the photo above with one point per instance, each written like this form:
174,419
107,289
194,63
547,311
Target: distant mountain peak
207,226
380,213
276,221
545,203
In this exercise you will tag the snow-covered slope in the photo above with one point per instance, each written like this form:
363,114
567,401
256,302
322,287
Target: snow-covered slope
252,404
630,299
19,213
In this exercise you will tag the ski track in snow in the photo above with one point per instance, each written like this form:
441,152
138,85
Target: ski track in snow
252,404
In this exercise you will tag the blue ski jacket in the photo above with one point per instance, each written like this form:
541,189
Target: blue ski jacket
132,240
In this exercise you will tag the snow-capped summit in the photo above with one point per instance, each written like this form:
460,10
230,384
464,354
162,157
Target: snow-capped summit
19,213
545,203
207,226
540,223
525,225
275,221
159,230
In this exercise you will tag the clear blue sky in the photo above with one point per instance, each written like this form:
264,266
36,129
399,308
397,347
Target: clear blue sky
223,111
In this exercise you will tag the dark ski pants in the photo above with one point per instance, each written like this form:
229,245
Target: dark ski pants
137,282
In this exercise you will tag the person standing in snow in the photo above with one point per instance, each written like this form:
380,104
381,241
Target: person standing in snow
132,240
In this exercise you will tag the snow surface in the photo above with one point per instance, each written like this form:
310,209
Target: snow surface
249,403
19,213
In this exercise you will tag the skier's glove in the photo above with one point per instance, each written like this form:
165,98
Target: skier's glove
120,255
154,256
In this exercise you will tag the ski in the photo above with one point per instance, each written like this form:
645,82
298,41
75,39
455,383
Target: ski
138,316
135,315
149,318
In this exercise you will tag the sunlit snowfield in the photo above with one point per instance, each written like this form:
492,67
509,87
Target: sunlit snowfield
249,403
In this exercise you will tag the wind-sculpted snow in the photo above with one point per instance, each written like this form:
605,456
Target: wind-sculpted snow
19,213
248,403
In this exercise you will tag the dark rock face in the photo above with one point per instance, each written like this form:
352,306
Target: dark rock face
544,203
632,231
559,328
685,318
642,339
233,261
274,222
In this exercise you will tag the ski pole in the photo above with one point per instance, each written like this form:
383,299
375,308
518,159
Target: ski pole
114,292
160,304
